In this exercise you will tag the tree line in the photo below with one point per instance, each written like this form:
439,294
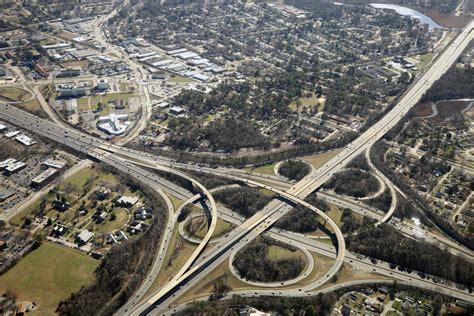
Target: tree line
387,244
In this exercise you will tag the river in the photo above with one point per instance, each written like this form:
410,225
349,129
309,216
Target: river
409,12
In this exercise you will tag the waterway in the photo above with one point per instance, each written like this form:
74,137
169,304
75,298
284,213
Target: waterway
409,12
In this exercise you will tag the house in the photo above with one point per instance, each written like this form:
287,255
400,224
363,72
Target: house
84,237
98,253
136,227
176,110
250,311
60,205
127,201
346,310
100,217
102,193
143,213
68,73
58,231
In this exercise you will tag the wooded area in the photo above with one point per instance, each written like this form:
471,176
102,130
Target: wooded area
302,219
294,169
253,264
353,182
385,243
244,200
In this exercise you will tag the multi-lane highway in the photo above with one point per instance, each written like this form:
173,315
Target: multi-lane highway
197,267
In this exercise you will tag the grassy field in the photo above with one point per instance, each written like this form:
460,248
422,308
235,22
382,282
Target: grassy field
179,79
308,103
106,98
318,160
14,94
48,275
266,169
278,252
424,59
222,227
109,225
32,105
175,201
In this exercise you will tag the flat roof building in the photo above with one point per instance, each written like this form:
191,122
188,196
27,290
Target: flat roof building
113,124
25,140
127,200
15,167
43,176
6,194
84,237
54,163
12,134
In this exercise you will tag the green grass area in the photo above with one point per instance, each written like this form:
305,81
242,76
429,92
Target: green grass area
80,178
425,59
222,227
83,104
278,252
48,275
109,225
308,103
210,117
32,105
175,201
14,94
266,169
106,98
318,160
179,79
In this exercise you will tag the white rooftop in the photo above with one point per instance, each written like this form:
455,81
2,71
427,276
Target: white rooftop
25,140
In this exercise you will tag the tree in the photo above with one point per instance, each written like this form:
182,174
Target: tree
310,311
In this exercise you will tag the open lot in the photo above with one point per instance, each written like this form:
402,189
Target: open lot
48,275
13,94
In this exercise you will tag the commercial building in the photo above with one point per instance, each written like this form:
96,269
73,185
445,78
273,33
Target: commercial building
102,84
43,177
113,124
12,134
54,163
25,140
6,194
70,90
14,167
70,72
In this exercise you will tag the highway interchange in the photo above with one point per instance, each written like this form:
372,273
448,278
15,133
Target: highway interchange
208,256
